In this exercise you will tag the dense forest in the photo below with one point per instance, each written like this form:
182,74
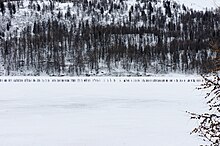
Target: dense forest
105,37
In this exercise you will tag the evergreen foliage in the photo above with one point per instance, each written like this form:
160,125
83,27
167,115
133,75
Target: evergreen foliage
109,34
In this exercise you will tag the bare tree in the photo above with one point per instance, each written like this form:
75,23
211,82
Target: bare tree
209,122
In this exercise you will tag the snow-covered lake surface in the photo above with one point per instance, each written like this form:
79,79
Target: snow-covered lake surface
99,111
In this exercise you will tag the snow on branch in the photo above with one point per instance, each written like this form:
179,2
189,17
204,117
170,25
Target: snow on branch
209,123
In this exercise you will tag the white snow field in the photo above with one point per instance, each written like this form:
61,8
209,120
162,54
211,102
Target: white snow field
99,111
200,5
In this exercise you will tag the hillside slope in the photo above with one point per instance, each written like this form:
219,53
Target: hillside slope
105,37
200,5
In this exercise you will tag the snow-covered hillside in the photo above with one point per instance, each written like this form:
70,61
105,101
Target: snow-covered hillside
106,37
200,4
26,14
99,113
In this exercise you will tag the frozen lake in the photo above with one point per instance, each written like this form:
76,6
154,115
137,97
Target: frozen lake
99,113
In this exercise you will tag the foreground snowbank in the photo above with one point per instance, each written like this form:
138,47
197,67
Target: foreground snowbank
110,112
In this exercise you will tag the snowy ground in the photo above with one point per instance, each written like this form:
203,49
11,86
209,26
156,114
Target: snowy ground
201,5
99,112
